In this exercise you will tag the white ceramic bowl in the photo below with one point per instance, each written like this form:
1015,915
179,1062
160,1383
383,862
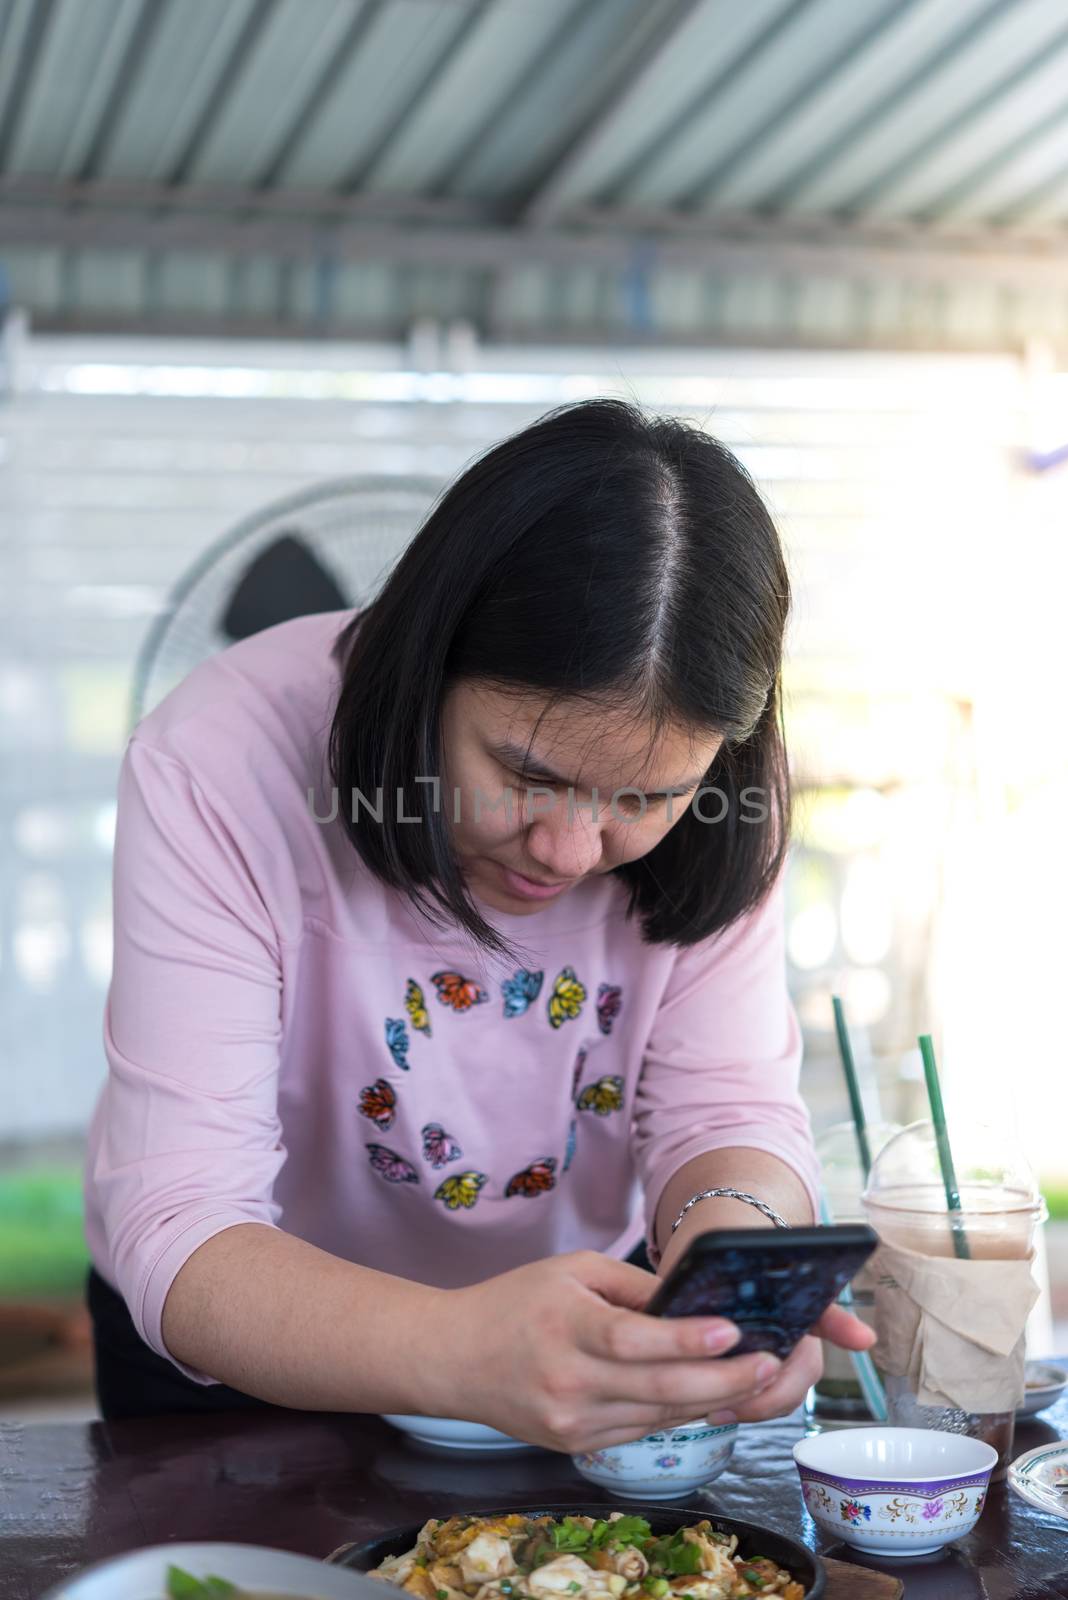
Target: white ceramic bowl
449,1433
1045,1385
662,1466
142,1574
894,1491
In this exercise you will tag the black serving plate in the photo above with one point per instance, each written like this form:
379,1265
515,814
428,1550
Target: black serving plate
753,1540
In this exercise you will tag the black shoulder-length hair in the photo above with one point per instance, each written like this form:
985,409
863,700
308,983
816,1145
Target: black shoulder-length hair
602,553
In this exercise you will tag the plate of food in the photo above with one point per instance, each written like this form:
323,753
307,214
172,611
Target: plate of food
589,1552
1044,1384
451,1433
215,1571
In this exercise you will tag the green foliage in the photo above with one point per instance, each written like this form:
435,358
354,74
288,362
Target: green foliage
1056,1195
42,1242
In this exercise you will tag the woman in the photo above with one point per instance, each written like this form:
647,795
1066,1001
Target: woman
449,962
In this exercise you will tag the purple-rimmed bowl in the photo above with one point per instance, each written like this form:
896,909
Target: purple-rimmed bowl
894,1491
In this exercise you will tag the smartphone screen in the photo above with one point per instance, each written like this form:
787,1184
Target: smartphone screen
773,1285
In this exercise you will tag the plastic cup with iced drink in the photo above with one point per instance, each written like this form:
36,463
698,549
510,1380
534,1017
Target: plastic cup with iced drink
1001,1210
836,1400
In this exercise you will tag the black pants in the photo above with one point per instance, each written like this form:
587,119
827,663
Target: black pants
133,1381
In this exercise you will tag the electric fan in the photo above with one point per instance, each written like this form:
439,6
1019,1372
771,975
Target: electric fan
327,549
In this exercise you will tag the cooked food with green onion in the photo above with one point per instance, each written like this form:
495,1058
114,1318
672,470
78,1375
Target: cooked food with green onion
580,1558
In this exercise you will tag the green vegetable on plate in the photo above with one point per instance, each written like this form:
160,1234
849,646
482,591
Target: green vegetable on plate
183,1586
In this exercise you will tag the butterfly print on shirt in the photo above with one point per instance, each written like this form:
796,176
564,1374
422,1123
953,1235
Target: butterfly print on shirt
567,998
604,1096
389,1165
536,1179
397,1042
609,1005
379,1103
521,991
572,1141
458,992
461,1190
439,1146
415,1005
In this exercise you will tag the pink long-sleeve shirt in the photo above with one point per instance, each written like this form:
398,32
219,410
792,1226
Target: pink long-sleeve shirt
290,1043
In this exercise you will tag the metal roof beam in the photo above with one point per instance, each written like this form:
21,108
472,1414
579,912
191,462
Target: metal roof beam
178,324
147,202
110,195
853,253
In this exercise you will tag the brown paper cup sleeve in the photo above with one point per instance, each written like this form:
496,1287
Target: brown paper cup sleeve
954,1328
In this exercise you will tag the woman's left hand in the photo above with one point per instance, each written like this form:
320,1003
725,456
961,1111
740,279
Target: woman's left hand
804,1366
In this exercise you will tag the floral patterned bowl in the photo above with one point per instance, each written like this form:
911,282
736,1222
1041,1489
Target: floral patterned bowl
894,1491
662,1466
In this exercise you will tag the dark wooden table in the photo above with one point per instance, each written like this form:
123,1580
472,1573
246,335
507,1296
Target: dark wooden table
72,1493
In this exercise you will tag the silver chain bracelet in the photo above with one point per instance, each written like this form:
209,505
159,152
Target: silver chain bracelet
732,1194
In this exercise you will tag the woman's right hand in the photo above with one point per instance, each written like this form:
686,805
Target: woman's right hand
559,1353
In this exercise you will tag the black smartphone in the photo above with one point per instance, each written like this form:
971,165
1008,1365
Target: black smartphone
774,1285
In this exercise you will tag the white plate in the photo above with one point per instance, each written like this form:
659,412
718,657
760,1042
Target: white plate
449,1433
1037,1475
1045,1385
142,1574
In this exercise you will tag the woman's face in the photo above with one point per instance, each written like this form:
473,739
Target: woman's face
523,779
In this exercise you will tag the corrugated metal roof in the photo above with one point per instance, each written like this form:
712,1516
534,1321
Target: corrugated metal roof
852,140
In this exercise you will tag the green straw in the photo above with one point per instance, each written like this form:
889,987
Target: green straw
856,1104
945,1154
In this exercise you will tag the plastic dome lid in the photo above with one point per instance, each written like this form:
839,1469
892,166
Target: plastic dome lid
839,1158
992,1170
